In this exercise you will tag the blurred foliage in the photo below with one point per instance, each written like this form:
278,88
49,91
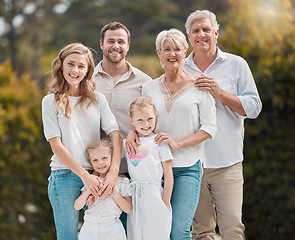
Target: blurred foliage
261,31
24,160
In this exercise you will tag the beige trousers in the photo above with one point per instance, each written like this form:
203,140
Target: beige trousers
220,203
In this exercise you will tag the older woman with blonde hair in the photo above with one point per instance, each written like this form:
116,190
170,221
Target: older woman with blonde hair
72,118
186,118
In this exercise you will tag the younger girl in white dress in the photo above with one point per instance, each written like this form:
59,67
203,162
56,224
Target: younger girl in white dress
101,219
151,216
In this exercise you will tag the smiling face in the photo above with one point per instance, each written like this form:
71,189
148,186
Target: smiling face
74,68
171,55
100,159
202,35
144,121
115,45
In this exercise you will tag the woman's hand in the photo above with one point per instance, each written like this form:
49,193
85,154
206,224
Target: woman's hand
93,183
108,184
132,140
162,138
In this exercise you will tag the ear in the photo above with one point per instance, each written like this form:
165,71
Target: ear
101,44
158,52
216,34
188,36
131,121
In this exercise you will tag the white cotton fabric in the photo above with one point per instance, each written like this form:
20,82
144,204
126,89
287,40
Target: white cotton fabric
105,210
76,133
233,75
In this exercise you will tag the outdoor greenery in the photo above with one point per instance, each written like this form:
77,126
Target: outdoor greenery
261,31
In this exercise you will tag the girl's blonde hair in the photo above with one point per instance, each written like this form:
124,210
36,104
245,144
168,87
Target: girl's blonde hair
99,144
60,86
141,102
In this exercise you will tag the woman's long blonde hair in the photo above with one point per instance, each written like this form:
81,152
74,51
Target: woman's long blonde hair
60,86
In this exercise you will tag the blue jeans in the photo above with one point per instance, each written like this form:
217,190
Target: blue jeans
184,199
63,189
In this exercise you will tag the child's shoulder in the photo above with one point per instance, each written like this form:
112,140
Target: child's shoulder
122,179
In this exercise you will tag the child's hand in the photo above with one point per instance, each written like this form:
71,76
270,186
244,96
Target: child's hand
168,205
90,200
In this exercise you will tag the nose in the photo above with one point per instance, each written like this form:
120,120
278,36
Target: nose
116,45
75,69
201,33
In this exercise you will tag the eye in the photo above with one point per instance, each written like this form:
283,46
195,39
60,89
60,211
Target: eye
81,66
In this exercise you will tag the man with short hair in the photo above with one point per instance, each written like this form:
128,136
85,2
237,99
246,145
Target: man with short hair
229,79
118,80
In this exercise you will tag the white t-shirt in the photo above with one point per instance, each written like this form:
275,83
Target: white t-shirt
146,165
76,133
105,210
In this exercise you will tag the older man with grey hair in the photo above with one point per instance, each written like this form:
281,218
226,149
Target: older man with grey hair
229,79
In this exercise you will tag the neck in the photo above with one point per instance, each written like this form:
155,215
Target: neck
141,135
75,91
175,75
115,70
204,59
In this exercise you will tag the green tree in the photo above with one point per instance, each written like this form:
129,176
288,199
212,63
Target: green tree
25,211
263,32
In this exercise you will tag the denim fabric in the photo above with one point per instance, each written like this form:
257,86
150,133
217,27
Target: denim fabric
63,189
184,199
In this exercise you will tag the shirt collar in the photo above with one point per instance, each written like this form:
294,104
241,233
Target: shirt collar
99,70
190,59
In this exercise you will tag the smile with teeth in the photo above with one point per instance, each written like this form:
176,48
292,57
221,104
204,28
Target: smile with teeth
73,76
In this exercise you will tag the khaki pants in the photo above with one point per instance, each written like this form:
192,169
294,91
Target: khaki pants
221,200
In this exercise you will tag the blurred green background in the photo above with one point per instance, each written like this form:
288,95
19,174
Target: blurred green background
33,32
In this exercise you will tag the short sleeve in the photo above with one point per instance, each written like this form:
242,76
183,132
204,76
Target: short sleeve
165,153
124,189
50,117
108,121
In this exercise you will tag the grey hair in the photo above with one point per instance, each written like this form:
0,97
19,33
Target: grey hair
172,35
200,14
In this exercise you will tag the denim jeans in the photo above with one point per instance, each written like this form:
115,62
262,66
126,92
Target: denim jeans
184,199
63,189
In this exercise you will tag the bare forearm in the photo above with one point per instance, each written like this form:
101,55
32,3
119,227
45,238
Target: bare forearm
124,203
117,150
64,155
194,139
232,101
168,182
91,182
81,200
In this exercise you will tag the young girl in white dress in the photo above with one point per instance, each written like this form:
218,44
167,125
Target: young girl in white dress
101,219
151,216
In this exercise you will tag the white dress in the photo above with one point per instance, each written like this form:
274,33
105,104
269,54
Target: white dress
101,219
150,219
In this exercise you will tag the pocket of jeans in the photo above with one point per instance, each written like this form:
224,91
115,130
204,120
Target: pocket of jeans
62,173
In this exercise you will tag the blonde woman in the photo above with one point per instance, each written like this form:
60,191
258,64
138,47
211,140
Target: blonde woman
72,118
186,118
